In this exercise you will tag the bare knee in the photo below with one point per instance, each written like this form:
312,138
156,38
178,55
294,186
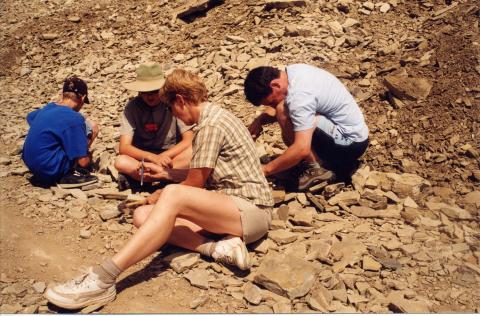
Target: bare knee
122,163
140,215
172,196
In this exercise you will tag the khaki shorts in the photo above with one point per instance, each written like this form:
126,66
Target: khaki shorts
255,220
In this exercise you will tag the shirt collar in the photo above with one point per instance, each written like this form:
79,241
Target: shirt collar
204,114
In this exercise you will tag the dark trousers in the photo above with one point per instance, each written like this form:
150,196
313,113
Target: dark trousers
341,159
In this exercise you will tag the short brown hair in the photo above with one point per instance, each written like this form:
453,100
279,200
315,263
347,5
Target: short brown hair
186,84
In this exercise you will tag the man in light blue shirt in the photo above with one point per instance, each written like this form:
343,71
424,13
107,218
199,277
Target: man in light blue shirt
315,111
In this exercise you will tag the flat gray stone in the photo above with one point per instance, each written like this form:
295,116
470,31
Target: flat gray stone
347,198
282,237
252,294
320,299
77,212
39,287
198,278
181,262
109,213
286,275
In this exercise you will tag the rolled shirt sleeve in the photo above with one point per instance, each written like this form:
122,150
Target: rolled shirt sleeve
207,145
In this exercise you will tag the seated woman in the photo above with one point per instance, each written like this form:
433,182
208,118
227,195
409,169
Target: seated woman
149,131
239,206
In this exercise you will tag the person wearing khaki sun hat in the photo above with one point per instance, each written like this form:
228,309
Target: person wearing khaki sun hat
149,132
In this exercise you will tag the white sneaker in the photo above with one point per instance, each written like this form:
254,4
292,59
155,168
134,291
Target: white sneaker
232,250
82,291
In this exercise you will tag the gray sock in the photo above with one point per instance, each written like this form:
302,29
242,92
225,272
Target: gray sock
107,271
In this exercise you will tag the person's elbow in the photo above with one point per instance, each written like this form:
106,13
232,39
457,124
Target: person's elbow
304,152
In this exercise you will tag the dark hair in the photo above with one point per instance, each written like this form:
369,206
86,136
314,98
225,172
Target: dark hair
257,83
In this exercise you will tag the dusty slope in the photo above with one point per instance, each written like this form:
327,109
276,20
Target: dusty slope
436,138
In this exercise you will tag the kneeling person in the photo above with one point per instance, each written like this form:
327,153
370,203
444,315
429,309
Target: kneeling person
56,149
239,206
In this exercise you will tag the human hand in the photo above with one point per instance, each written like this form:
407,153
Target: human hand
163,160
255,128
153,198
153,171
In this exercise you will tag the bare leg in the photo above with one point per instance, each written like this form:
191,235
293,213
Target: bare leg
185,234
94,134
193,204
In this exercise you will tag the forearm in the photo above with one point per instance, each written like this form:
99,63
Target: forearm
177,149
291,157
137,153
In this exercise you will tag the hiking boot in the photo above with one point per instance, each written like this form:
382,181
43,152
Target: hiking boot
82,291
78,178
312,176
232,250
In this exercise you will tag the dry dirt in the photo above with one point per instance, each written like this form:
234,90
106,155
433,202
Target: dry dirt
436,138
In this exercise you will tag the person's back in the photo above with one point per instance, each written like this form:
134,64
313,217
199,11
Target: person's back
50,150
314,90
57,143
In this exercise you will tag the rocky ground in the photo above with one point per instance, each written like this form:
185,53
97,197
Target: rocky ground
405,236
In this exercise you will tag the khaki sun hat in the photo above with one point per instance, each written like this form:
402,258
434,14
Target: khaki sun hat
149,78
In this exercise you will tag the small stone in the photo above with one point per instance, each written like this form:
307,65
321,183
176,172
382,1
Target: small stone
369,264
85,233
198,301
74,18
77,212
347,198
198,278
181,262
252,294
109,213
49,36
409,202
282,4
282,237
384,8
39,287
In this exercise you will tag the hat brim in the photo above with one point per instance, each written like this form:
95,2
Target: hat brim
144,86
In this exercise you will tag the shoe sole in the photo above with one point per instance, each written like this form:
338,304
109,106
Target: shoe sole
100,301
76,185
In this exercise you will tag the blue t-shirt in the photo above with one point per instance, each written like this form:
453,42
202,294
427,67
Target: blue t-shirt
57,137
312,91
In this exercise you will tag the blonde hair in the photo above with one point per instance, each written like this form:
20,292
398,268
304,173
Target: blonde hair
186,84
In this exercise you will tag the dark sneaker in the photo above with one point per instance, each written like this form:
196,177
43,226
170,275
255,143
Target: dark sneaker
312,176
77,179
123,183
81,292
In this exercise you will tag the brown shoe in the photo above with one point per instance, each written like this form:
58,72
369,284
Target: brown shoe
312,176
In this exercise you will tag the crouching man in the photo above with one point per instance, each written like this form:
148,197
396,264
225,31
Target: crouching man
321,123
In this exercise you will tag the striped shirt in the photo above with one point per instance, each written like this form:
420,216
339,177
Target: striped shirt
224,144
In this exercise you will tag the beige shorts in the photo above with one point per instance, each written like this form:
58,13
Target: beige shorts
255,220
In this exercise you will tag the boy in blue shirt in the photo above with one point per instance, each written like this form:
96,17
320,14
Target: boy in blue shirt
57,143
